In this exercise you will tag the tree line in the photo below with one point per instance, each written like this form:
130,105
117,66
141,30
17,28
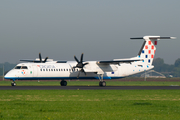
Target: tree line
167,69
7,67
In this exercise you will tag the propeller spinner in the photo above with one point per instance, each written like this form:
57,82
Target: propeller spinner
80,64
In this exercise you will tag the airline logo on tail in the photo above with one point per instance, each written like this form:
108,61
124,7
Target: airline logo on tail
148,49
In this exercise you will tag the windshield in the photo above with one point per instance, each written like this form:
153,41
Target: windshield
24,67
21,67
17,67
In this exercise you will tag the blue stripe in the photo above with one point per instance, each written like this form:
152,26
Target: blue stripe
56,78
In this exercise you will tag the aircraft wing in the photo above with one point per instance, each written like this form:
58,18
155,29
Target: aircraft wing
28,60
36,60
118,61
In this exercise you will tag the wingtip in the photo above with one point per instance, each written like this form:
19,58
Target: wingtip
173,37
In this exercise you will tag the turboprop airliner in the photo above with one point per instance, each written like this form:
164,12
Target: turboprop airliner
47,69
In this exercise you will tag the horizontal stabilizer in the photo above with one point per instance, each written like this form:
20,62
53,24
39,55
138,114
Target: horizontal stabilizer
153,37
137,38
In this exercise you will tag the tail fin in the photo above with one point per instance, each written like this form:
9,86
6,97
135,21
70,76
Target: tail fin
148,49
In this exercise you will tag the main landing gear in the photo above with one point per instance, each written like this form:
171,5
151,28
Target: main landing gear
101,83
63,83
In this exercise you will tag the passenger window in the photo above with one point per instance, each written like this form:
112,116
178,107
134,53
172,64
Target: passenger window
51,69
66,69
41,69
70,70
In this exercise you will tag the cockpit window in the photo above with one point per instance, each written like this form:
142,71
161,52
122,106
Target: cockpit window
21,67
17,67
24,67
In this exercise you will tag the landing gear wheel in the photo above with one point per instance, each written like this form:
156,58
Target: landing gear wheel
13,84
63,83
102,83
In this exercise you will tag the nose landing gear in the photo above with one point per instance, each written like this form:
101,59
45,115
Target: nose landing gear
13,83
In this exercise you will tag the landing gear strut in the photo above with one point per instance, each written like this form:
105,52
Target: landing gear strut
63,83
101,83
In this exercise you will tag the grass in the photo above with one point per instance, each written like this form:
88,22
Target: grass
90,104
92,83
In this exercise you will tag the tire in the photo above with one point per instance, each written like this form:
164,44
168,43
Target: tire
13,84
103,83
63,83
100,83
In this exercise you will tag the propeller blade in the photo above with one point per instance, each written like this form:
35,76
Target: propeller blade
40,57
82,57
78,74
76,59
82,70
45,59
85,64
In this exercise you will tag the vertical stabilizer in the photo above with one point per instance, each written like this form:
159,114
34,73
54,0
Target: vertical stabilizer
148,49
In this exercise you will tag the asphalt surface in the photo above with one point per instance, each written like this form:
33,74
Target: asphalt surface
88,87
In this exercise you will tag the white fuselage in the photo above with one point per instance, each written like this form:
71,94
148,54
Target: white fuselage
51,70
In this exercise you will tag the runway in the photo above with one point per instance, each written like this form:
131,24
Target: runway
88,87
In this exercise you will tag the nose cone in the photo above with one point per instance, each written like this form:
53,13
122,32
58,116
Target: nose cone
9,75
6,76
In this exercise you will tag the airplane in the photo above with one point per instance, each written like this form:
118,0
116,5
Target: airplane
48,69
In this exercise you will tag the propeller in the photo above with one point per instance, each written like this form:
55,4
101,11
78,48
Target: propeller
80,64
40,58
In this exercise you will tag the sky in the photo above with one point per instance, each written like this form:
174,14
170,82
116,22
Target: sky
101,29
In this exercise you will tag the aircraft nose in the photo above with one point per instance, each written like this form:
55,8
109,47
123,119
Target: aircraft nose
8,75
